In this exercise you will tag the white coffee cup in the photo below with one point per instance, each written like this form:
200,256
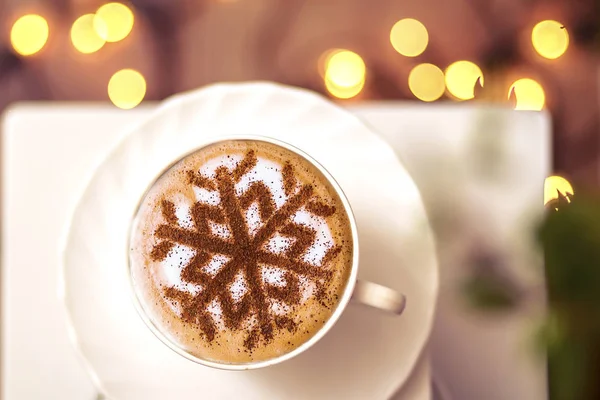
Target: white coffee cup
363,292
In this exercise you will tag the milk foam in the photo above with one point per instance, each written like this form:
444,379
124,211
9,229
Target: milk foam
269,173
155,276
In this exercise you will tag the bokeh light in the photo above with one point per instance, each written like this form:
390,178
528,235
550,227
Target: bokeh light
555,184
344,73
529,94
29,34
114,22
409,37
324,58
345,68
84,35
550,39
127,88
344,92
461,78
426,82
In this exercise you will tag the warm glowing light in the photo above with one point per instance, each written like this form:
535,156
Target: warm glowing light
550,39
344,92
345,69
344,73
529,94
84,35
555,185
324,60
113,22
409,37
426,82
127,88
461,78
29,34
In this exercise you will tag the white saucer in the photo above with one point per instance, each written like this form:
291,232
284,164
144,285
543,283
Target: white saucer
368,354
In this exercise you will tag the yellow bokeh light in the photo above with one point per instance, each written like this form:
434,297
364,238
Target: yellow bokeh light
127,88
29,34
344,73
344,92
550,39
529,94
555,184
426,82
345,69
324,60
84,36
461,78
409,37
114,21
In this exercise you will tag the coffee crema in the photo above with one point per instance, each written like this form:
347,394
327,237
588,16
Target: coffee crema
240,252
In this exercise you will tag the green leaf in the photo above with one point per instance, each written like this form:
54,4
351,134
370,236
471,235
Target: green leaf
571,241
551,333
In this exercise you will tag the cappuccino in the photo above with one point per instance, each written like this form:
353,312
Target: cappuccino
240,252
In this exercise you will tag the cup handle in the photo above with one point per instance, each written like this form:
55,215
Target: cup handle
378,296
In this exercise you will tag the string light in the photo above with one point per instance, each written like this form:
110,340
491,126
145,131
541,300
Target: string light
114,22
324,59
529,94
84,35
344,74
426,82
345,68
29,34
409,37
550,39
461,78
553,185
127,88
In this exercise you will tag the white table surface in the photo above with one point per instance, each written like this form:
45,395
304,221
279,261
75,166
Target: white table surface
48,152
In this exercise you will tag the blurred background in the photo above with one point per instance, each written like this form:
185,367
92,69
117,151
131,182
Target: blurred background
527,54
522,54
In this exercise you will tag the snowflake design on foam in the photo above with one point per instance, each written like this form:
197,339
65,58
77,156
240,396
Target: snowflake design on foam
245,252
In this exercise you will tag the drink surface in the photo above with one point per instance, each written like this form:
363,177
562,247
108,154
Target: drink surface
240,252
